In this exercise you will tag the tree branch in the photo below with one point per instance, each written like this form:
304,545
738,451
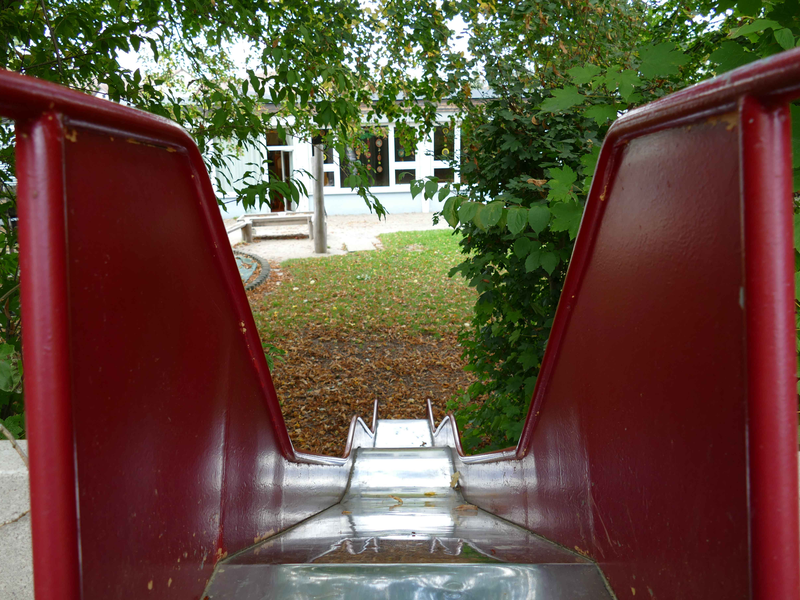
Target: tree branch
16,446
53,38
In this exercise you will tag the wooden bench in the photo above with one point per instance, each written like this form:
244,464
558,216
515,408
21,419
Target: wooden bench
276,219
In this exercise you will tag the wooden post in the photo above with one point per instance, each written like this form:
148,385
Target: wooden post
320,226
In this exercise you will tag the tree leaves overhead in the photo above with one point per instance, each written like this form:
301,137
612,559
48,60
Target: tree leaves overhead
585,74
661,60
488,215
785,38
601,113
756,26
561,183
567,217
538,217
517,219
731,55
562,100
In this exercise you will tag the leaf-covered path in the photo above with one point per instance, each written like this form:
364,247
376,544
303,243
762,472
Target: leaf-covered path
329,375
364,326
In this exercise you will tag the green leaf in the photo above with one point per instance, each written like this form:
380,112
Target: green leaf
533,261
517,219
755,27
6,376
522,247
589,160
567,217
550,261
797,232
797,285
601,113
749,7
661,60
529,359
431,187
731,55
627,81
563,100
584,75
784,37
449,211
538,217
15,424
488,214
467,211
560,184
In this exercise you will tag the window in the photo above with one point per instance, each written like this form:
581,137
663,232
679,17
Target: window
328,168
444,143
445,140
401,154
404,176
405,169
279,155
444,174
374,154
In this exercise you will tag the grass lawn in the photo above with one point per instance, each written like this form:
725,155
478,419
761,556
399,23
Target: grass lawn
404,285
378,324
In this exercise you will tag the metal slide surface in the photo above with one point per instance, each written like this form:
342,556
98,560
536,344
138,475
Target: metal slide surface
660,451
403,531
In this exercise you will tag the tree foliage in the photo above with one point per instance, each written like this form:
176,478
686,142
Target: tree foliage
214,67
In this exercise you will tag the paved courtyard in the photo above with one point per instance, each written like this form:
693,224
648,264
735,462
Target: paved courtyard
346,233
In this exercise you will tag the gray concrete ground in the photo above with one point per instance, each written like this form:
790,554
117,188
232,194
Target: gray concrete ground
16,568
346,233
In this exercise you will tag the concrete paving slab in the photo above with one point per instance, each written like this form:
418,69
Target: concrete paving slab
14,492
16,556
16,560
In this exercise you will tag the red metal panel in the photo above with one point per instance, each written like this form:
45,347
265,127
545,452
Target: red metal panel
646,400
144,371
635,450
153,338
771,364
42,233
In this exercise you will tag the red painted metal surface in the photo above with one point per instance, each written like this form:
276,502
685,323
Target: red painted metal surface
42,233
662,437
157,442
769,263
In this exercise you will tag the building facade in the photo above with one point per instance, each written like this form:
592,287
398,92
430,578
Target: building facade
392,166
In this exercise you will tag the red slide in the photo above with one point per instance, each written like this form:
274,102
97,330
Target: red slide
658,460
